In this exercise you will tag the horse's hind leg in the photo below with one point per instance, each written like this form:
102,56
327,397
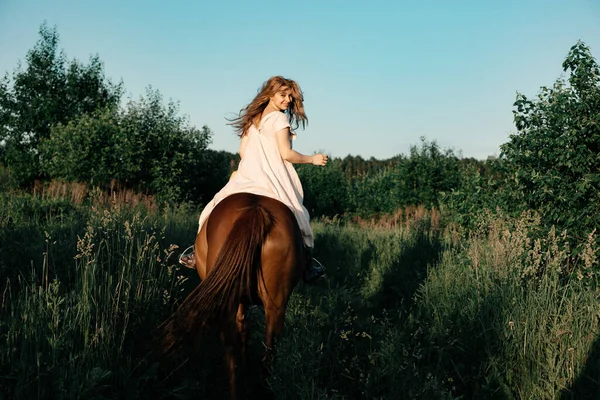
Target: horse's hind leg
228,336
242,330
274,325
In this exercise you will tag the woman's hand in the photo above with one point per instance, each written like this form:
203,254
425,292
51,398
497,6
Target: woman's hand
320,159
286,152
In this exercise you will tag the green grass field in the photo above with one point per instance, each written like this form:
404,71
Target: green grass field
413,307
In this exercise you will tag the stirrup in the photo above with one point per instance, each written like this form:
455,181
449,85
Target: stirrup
315,272
187,259
321,267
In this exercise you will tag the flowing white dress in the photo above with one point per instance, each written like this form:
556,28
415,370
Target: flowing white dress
262,171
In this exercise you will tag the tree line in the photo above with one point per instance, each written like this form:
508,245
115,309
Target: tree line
62,119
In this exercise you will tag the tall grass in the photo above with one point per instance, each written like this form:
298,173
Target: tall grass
77,318
411,308
412,312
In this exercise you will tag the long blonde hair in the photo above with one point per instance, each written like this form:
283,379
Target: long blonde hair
252,113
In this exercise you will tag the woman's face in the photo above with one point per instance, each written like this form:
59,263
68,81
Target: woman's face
281,99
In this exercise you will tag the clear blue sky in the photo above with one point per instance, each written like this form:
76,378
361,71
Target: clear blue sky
377,75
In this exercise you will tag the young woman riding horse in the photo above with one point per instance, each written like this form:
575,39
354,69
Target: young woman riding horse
267,156
254,240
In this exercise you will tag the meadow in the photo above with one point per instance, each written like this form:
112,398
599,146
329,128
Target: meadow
414,306
448,277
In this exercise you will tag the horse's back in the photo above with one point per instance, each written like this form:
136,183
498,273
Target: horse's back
282,245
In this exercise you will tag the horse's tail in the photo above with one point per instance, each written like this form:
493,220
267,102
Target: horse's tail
217,297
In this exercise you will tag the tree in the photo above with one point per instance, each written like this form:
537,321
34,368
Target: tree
92,148
554,158
219,165
147,146
167,153
325,189
49,91
429,171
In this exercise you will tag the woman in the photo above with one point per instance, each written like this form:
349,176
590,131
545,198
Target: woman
267,156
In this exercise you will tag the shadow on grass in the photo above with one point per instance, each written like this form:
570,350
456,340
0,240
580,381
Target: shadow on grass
587,384
375,338
459,352
409,271
22,251
386,274
341,325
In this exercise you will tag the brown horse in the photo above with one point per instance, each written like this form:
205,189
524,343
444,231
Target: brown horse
249,251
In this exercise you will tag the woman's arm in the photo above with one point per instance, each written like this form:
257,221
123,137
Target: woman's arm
285,149
243,143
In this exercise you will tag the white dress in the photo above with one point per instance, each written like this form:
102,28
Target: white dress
262,171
